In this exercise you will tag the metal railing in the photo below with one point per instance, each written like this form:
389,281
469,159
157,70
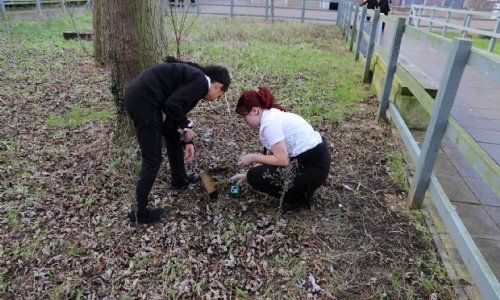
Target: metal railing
23,5
460,54
488,23
299,10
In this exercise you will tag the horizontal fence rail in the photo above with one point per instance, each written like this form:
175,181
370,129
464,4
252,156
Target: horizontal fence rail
460,54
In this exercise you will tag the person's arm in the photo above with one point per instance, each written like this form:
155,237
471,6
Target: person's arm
239,178
188,152
279,156
185,95
180,101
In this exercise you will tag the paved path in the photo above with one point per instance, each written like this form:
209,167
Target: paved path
477,110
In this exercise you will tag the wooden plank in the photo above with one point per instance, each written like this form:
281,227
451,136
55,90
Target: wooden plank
481,273
391,68
448,87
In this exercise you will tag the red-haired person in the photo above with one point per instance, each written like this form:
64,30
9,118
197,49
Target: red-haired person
158,101
287,137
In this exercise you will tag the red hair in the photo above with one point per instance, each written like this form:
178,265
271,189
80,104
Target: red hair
261,99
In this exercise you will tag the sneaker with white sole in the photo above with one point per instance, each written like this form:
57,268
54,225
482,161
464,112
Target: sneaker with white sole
152,216
189,180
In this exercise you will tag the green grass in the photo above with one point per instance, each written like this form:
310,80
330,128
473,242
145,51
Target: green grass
395,162
305,63
477,42
78,116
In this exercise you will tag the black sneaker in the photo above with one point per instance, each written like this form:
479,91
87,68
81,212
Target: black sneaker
190,179
287,207
153,216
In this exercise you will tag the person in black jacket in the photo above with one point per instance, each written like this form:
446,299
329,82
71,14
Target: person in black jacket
384,9
370,4
158,101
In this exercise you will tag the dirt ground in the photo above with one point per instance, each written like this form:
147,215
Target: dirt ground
67,187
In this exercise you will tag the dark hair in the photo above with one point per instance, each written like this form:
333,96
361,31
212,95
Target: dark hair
261,99
216,73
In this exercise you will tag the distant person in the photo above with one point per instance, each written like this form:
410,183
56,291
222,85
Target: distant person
179,3
370,4
384,9
158,101
288,139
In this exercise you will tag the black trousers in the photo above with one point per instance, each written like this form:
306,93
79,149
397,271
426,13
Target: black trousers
311,173
150,130
383,23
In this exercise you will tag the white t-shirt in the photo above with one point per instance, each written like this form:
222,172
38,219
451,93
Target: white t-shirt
298,134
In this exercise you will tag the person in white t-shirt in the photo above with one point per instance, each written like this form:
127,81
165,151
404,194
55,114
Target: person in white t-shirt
287,138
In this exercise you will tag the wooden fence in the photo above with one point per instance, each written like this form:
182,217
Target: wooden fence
460,54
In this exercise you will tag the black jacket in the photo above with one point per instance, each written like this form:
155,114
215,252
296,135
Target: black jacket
370,4
176,88
384,7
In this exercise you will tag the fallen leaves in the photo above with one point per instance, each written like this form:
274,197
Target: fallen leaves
67,188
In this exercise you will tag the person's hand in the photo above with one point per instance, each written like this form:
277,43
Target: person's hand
188,152
188,135
246,160
239,178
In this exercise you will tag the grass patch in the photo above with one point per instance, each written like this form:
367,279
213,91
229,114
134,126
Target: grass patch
78,116
477,41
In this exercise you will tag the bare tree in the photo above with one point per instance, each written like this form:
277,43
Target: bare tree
137,40
180,25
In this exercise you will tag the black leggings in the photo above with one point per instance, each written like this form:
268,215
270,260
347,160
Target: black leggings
312,171
150,128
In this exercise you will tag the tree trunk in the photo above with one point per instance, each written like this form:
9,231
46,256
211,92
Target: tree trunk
100,35
137,41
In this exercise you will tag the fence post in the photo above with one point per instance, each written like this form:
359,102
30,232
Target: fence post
493,39
342,16
164,6
349,16
360,33
448,86
4,11
231,9
411,16
303,14
445,28
354,27
38,6
467,21
339,12
391,68
267,9
371,45
63,6
433,13
420,11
